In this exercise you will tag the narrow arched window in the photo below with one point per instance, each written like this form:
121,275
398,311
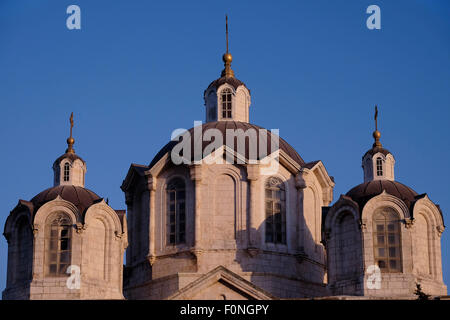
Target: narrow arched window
387,241
58,245
66,171
226,104
275,211
176,211
379,167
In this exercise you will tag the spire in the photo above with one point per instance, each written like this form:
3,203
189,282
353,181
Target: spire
227,57
70,140
376,134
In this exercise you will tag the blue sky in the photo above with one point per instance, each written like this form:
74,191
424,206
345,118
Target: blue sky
137,70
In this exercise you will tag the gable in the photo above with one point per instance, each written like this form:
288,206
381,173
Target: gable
220,284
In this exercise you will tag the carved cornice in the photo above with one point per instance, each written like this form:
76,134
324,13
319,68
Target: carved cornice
151,181
252,172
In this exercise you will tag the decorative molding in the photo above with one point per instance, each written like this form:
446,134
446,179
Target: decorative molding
151,181
274,181
252,172
35,229
252,252
440,229
80,227
300,179
363,224
409,222
151,259
301,257
196,252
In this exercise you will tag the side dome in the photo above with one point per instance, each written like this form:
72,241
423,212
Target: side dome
223,126
362,193
81,197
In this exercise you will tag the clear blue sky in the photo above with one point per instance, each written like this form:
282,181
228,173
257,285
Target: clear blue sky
137,70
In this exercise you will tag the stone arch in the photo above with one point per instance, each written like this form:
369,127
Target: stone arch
21,255
226,206
422,245
385,200
311,198
344,245
56,206
101,248
347,249
435,226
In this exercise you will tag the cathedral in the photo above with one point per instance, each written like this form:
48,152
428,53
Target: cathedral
226,222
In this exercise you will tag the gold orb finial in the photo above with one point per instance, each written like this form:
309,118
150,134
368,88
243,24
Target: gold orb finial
376,134
70,140
227,57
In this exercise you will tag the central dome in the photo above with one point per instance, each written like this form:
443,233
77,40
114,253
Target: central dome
223,126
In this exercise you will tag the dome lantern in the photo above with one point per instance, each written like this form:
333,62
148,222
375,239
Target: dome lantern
69,169
227,98
378,163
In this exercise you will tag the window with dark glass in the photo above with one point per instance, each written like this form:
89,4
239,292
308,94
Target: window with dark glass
387,242
226,104
66,171
275,198
58,245
176,210
379,166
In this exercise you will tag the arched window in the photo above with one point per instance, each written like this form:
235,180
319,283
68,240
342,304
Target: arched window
58,245
386,240
275,211
66,171
226,104
379,167
176,210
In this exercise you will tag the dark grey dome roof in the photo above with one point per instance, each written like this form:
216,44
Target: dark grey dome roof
71,156
222,126
81,197
362,193
376,150
234,82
